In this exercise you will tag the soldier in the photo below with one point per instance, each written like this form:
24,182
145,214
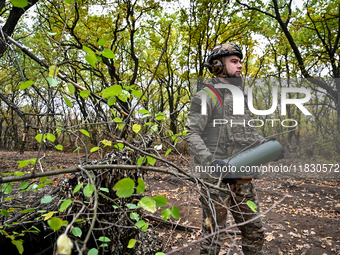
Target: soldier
210,144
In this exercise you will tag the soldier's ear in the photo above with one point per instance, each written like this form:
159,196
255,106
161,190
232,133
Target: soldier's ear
217,67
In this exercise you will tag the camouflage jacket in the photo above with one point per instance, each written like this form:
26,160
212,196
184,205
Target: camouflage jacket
207,142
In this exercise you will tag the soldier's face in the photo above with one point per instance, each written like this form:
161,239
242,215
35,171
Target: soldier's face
234,66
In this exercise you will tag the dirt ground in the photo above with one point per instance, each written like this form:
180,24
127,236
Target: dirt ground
305,222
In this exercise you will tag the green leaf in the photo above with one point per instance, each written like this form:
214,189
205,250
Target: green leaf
43,179
94,149
160,253
166,214
33,161
145,227
18,173
114,90
71,88
167,152
88,50
151,160
85,93
55,223
132,243
160,116
141,160
134,216
122,98
101,42
77,188
4,212
136,128
147,203
252,206
160,201
23,185
26,84
7,188
50,137
104,239
59,147
111,101
140,223
65,205
136,93
108,53
53,82
146,115
93,251
19,4
18,244
132,206
46,199
117,119
78,148
121,126
76,231
70,1
68,102
88,190
143,111
38,137
85,132
154,128
175,212
91,59
105,190
124,187
23,163
141,186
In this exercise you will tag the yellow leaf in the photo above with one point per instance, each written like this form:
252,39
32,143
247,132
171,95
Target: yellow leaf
136,128
53,71
48,215
64,244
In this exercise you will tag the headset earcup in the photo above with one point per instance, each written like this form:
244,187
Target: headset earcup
217,67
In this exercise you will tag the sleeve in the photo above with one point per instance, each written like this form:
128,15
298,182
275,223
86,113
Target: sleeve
195,125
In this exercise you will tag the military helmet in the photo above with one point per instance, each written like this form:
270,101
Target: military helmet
222,50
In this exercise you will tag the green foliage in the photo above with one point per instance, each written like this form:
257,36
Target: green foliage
89,189
148,204
55,223
19,4
160,201
124,187
132,243
76,232
26,84
65,205
93,251
252,206
46,199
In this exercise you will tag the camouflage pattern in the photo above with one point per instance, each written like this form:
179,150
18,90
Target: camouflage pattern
208,143
252,233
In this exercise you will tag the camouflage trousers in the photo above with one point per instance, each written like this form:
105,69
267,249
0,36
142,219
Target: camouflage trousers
215,213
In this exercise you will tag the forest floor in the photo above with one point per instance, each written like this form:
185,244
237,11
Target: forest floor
307,221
